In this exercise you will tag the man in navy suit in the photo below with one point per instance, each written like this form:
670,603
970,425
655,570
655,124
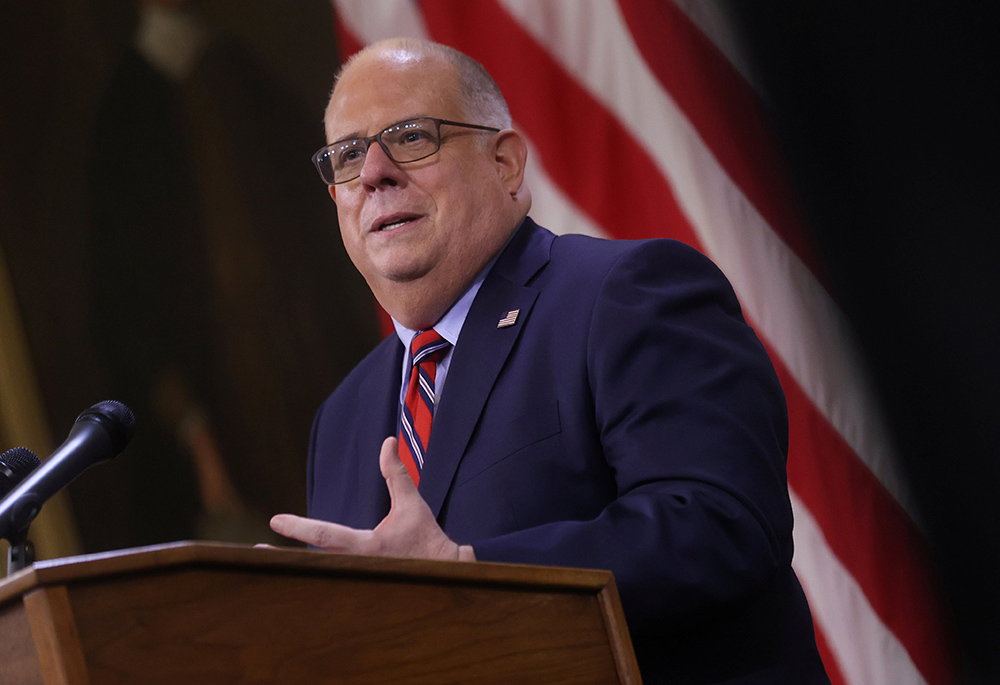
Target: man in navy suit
598,403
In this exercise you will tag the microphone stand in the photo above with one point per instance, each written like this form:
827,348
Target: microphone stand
21,552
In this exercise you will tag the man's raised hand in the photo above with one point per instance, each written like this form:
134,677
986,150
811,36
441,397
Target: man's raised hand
409,530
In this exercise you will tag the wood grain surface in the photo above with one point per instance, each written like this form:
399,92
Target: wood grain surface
57,641
18,660
198,613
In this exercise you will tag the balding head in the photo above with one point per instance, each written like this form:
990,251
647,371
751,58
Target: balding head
479,96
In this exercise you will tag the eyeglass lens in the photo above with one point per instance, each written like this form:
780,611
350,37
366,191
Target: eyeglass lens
407,141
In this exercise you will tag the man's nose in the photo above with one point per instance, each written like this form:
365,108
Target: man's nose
379,170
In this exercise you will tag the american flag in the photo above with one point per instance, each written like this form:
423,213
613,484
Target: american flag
509,319
643,121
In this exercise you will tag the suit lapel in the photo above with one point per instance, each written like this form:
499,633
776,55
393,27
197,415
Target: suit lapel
480,355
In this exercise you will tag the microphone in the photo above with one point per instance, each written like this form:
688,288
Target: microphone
15,464
99,433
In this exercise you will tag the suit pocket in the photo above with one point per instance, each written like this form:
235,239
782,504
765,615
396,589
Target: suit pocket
495,443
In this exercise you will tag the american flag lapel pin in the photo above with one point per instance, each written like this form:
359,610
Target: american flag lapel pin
508,319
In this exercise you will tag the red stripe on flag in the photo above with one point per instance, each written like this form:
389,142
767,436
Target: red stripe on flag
829,660
868,531
348,42
724,109
570,129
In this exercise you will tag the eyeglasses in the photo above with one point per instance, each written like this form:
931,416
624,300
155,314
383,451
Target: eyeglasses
407,141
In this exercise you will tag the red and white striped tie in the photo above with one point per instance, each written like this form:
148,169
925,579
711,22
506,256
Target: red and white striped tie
417,412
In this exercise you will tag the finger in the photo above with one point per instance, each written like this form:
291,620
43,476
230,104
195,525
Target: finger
318,533
389,462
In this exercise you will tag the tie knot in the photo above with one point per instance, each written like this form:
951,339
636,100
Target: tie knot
428,346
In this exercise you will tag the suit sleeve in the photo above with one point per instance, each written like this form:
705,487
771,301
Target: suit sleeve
693,425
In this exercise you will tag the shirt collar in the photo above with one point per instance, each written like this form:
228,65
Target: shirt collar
450,325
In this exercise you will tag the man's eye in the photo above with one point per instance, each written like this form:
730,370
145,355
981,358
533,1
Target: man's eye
414,136
348,156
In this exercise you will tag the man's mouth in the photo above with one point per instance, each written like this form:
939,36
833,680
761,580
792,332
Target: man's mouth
395,222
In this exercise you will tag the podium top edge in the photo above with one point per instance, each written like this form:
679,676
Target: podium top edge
295,560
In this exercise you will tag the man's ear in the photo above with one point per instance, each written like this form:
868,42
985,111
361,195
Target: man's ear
511,155
333,192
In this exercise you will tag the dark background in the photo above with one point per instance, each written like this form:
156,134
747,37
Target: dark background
887,112
172,247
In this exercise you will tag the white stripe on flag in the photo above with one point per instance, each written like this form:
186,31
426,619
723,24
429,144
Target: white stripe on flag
371,21
875,656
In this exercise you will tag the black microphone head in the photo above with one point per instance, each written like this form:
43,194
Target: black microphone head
117,419
15,465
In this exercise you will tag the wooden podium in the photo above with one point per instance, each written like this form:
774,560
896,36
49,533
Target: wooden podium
190,613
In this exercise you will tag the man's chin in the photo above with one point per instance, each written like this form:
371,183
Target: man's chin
400,272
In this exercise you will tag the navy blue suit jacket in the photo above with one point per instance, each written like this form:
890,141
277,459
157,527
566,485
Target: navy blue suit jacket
629,420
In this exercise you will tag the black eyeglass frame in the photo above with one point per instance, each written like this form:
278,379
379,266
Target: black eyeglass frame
324,151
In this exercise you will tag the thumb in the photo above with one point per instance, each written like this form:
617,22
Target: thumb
392,467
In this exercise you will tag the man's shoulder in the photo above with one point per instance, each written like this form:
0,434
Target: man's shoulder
537,253
590,258
584,271
579,246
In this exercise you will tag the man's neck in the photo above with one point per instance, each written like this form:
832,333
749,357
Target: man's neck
419,304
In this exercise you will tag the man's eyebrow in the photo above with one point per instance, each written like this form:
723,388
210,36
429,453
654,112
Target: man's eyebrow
350,136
